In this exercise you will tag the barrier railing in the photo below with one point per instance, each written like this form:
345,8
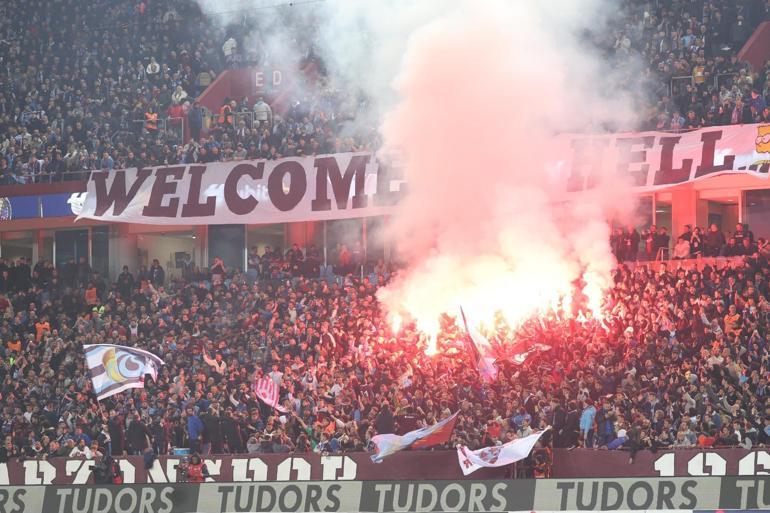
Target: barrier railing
719,78
689,263
171,129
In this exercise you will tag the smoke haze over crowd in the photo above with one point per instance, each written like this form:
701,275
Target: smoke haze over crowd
470,96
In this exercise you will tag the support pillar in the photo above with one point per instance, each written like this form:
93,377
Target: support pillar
37,246
687,208
122,249
201,258
303,234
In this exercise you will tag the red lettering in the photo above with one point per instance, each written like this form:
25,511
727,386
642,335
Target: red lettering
117,194
626,157
384,196
161,188
667,174
285,201
235,202
707,165
586,163
193,207
327,170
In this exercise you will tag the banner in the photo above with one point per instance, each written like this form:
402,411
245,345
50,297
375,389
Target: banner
349,185
656,160
622,494
497,455
340,186
676,493
409,465
679,462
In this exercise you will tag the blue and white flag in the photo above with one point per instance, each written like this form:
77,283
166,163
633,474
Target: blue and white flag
437,434
117,368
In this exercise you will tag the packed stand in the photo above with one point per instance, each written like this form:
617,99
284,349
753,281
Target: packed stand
114,85
79,83
680,360
691,71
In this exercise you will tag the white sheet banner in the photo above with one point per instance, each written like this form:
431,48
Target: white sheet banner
339,186
498,455
348,185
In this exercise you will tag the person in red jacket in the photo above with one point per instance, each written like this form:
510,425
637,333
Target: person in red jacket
196,471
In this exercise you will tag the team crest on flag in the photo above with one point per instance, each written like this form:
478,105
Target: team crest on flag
117,368
490,455
498,455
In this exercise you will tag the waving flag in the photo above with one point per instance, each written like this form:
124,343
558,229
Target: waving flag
436,434
519,355
117,368
482,351
267,391
497,456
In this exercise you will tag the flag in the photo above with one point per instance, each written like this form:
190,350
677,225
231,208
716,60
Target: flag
404,380
497,456
436,434
267,391
117,368
520,356
481,350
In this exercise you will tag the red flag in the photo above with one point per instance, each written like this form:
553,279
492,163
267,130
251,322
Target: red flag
267,391
482,351
439,435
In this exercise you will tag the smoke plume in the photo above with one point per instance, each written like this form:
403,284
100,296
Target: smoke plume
470,95
484,89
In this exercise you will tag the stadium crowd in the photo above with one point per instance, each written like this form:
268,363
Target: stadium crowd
679,360
122,93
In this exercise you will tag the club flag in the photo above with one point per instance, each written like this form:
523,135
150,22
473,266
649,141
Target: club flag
497,456
482,351
519,357
405,380
117,368
436,434
267,391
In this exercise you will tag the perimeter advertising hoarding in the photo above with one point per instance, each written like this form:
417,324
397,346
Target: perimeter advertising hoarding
625,494
405,465
677,462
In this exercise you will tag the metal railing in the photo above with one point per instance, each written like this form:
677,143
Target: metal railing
233,120
724,78
677,84
170,129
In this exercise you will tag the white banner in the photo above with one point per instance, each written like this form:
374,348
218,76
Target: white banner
349,185
498,455
340,186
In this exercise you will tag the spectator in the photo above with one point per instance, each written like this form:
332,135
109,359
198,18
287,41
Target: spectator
157,274
714,242
263,114
195,430
195,120
179,95
137,436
